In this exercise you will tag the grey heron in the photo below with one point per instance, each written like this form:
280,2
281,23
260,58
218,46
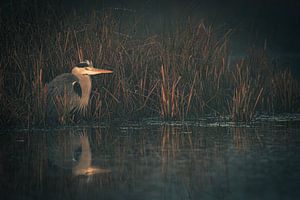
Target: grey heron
69,93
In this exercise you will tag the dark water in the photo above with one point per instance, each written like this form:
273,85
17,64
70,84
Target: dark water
152,161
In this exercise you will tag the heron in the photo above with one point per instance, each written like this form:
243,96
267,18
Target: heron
69,93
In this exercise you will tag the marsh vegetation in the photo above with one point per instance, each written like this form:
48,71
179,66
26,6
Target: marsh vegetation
183,71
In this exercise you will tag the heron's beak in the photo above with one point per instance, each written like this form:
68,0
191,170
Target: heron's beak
94,71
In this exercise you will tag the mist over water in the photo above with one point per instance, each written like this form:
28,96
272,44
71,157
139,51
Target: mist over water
274,25
152,160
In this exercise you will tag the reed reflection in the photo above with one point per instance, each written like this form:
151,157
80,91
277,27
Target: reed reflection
246,139
159,162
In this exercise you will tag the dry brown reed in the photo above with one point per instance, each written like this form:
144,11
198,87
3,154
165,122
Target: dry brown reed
247,93
285,91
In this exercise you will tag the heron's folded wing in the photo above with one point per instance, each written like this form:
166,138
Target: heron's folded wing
77,88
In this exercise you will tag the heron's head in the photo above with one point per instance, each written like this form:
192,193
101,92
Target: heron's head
87,68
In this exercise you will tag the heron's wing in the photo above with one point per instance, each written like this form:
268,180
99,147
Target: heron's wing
63,84
77,88
61,89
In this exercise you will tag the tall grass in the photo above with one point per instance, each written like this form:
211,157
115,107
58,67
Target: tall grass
285,91
247,93
180,73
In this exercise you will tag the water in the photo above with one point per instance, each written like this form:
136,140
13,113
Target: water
152,161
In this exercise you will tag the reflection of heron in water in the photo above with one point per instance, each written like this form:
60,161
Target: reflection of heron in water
71,91
72,151
84,166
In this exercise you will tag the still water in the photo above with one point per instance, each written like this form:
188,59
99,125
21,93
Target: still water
152,161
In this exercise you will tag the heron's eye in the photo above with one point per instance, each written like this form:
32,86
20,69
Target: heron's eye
87,68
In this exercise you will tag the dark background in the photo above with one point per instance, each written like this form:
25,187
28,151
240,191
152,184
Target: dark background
255,23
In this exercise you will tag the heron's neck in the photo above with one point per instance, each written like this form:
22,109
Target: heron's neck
86,85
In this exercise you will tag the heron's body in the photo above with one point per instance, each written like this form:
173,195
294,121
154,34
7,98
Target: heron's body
62,90
69,93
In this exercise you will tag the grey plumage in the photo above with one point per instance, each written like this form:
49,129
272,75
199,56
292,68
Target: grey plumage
62,89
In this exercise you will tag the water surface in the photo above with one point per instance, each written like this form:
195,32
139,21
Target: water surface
152,161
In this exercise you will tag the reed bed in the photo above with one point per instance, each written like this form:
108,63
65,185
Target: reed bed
285,91
179,73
